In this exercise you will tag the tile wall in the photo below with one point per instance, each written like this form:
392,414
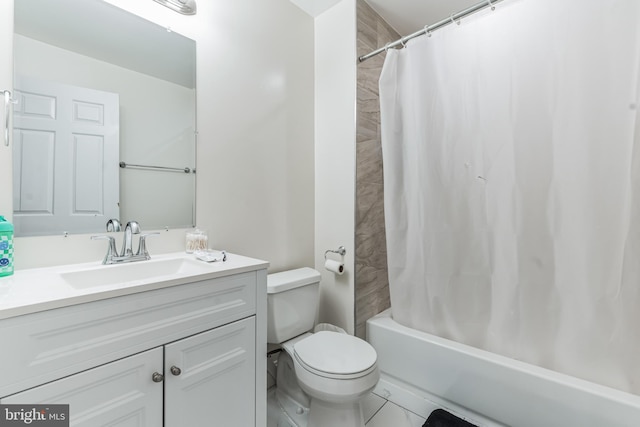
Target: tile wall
372,285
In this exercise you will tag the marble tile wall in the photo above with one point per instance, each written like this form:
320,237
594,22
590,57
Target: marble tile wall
372,285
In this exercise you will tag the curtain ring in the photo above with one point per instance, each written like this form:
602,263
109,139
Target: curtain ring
427,31
403,43
453,21
491,4
386,46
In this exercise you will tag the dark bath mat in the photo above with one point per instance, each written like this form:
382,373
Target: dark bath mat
442,418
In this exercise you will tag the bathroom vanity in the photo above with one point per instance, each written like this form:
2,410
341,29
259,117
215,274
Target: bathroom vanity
173,342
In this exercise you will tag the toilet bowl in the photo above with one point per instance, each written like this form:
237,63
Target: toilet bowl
335,370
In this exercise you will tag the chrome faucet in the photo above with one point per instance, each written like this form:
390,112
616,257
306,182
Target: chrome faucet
126,254
132,227
113,225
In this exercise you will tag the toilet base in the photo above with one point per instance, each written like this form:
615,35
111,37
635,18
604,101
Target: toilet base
329,414
294,410
332,401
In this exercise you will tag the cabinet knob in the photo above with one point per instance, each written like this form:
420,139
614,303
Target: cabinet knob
175,370
157,377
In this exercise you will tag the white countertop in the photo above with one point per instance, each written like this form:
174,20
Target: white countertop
39,289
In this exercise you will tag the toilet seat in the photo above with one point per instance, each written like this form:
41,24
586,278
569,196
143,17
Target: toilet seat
335,355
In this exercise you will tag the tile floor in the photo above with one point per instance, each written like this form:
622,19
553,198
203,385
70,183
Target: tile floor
377,411
381,413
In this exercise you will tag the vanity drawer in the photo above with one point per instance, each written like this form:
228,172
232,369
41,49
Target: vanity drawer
41,347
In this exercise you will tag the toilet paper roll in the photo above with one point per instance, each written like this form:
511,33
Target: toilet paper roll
335,266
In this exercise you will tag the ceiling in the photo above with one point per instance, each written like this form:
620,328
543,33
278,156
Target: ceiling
409,16
315,7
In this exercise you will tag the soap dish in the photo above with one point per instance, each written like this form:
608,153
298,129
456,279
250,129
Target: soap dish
210,255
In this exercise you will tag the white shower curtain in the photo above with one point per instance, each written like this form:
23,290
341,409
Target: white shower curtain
512,184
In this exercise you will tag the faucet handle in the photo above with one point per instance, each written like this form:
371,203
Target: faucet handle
142,244
111,250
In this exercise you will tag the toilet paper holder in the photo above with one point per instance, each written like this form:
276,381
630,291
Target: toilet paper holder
334,266
341,251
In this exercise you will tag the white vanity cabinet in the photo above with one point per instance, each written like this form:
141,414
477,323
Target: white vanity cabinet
187,355
211,376
120,393
205,379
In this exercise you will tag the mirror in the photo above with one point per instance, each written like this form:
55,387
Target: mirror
105,124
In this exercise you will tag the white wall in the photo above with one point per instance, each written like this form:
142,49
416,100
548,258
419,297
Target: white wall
335,133
255,146
256,131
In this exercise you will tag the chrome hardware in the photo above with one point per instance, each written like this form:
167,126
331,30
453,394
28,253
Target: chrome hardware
187,169
7,103
340,251
175,370
142,245
112,252
157,377
8,100
126,255
132,227
113,225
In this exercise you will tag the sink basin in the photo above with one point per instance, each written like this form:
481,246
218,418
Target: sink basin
133,272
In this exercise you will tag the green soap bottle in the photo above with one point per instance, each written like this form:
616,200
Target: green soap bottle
6,247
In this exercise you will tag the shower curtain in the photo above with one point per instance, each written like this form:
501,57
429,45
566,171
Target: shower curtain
511,147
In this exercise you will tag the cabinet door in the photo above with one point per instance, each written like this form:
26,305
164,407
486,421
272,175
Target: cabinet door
215,384
120,393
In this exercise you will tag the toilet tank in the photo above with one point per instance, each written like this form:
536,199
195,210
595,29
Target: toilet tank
292,302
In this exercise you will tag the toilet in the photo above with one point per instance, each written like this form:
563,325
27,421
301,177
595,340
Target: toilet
333,371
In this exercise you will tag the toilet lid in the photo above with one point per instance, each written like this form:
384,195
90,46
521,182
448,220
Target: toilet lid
335,353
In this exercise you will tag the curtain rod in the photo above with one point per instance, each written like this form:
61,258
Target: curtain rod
456,17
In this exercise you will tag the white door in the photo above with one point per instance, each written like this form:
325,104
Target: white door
210,378
65,162
120,393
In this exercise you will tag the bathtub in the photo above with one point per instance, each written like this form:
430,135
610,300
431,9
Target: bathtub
422,372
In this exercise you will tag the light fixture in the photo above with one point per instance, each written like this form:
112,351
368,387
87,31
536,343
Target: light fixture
185,7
